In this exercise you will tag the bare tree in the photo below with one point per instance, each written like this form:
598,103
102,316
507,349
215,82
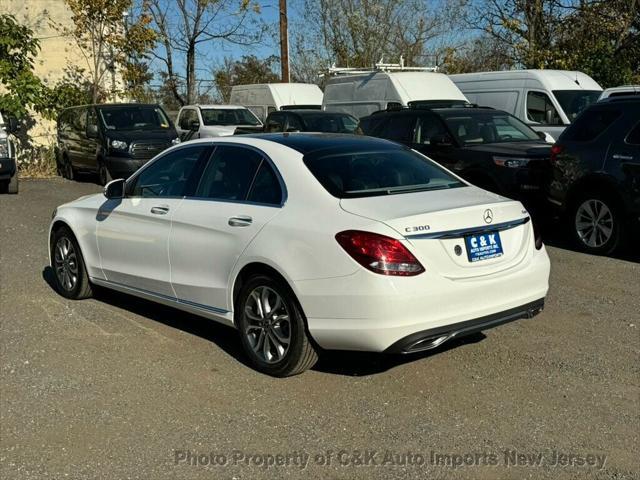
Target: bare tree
183,26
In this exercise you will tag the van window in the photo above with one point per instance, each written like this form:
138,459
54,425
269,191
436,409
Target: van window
501,100
540,109
80,119
590,125
575,101
258,111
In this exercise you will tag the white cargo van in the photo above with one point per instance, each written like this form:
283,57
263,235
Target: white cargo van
362,93
547,100
265,98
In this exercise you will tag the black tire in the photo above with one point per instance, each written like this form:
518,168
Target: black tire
300,354
12,187
104,176
75,265
69,172
595,240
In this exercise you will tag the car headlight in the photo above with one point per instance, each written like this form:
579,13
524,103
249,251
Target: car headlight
4,148
119,145
175,141
511,162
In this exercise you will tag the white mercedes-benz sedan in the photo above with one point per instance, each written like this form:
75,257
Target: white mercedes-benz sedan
307,241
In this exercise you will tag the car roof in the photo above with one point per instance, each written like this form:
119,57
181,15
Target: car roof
306,143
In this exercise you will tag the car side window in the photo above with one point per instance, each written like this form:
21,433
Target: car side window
634,135
294,123
590,124
266,187
92,122
540,109
80,120
229,173
275,123
169,175
399,128
429,126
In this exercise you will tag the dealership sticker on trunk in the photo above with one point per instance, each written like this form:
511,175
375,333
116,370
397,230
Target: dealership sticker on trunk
483,246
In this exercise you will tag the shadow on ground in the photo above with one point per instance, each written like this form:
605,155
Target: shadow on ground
332,362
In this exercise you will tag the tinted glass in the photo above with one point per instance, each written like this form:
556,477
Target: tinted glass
399,128
228,116
294,123
80,119
634,135
275,122
573,102
624,94
429,126
373,173
540,109
330,122
187,117
489,127
266,187
590,125
169,175
229,174
134,117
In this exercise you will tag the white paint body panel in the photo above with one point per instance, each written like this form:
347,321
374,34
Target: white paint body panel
260,97
346,306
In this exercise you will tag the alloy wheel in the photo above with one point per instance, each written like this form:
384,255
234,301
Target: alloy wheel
594,223
66,263
268,325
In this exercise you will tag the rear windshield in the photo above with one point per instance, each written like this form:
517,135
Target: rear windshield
229,116
329,122
134,117
575,101
590,125
375,173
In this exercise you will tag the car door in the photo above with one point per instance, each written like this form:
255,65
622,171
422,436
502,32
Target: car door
623,162
239,192
89,143
133,232
75,139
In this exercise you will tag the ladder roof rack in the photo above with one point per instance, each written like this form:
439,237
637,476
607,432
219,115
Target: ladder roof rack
380,66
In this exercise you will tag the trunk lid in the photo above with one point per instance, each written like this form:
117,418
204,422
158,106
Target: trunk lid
435,223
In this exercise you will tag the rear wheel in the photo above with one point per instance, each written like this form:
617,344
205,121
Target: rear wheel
596,223
69,172
272,328
104,176
71,278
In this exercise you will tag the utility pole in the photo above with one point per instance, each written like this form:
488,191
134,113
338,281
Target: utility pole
284,42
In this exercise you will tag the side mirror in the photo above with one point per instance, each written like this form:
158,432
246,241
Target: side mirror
12,124
194,126
92,131
441,141
114,189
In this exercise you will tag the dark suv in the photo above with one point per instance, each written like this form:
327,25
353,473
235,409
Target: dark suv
111,140
310,121
596,174
489,148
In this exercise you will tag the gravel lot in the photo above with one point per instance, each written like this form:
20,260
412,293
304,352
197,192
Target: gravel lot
116,387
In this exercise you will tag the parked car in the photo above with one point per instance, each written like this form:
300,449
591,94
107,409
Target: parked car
8,162
111,140
310,121
307,241
621,91
264,98
489,148
362,93
202,121
546,100
596,174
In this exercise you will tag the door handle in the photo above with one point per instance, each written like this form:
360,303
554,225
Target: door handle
617,156
240,221
161,210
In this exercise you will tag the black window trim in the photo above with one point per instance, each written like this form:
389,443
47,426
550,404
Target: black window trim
626,138
283,188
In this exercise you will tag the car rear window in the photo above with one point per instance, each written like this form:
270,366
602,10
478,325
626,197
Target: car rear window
378,172
590,125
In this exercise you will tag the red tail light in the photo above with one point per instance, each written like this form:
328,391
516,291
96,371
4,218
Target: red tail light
555,151
378,253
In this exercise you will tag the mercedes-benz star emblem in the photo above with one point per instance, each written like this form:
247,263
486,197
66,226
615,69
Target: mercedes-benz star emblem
488,216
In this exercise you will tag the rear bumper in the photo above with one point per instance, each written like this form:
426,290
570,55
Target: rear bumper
7,168
434,337
371,312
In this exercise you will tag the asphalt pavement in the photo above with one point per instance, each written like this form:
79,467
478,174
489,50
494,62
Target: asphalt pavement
116,387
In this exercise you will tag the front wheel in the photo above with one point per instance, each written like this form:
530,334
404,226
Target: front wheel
104,176
71,278
596,224
272,328
13,183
